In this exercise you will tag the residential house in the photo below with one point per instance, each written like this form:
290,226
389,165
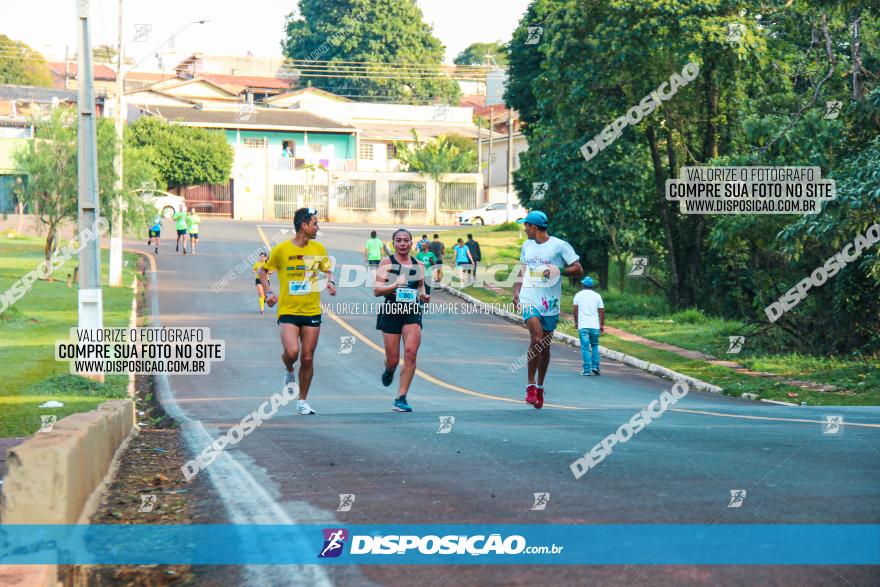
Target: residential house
310,147
20,108
495,171
64,76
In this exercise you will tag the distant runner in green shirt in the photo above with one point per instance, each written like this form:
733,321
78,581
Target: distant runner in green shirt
192,226
373,250
180,225
428,258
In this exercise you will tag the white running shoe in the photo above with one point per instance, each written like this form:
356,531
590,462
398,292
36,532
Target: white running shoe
303,408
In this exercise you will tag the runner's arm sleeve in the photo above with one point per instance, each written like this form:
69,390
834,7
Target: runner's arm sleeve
568,254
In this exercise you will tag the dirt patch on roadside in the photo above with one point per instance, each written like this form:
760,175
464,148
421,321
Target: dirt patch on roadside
148,488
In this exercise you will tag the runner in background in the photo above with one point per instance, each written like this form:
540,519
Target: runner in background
538,291
476,255
299,263
260,291
180,224
439,249
373,252
400,279
428,258
463,260
192,227
155,232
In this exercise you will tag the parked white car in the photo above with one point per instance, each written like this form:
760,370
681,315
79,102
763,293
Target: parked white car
166,204
492,213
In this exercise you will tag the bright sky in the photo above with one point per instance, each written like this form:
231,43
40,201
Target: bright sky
234,28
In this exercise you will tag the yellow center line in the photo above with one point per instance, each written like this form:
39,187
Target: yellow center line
471,392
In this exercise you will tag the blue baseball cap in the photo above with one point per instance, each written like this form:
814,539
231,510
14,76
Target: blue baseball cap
535,217
588,281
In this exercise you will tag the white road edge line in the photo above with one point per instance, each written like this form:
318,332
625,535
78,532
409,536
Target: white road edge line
246,501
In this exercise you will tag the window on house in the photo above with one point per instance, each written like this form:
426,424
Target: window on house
365,151
316,148
255,142
392,151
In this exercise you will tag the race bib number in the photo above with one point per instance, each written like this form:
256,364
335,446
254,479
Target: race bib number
405,294
299,288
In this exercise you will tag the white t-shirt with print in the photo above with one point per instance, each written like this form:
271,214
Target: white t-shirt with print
538,291
588,303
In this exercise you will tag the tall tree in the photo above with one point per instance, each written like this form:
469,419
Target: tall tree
376,49
50,163
475,54
183,155
21,65
107,54
434,159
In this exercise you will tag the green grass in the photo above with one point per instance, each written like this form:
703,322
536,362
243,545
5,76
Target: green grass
498,244
641,310
29,329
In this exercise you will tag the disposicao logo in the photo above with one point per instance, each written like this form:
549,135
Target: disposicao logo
334,540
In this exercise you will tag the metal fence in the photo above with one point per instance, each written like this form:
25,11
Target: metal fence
289,197
209,198
407,195
356,194
455,196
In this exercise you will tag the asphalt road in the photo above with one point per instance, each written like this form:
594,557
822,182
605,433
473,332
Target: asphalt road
680,469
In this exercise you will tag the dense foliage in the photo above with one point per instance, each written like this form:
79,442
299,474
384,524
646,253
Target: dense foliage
21,65
50,163
182,155
368,49
759,99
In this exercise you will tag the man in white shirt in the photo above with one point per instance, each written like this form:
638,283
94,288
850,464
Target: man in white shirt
544,259
589,313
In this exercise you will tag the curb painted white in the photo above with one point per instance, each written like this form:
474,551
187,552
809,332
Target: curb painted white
779,403
246,500
658,370
132,323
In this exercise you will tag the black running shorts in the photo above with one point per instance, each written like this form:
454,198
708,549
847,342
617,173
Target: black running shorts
313,321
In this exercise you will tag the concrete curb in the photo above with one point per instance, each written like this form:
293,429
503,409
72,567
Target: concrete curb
658,370
50,477
58,477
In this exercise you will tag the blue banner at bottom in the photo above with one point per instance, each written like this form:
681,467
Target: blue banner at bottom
441,544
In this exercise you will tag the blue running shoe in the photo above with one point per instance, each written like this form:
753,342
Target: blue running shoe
387,377
400,405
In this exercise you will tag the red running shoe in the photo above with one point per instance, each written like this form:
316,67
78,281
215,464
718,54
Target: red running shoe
539,402
531,393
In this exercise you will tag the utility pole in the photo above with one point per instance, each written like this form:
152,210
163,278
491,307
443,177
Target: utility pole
509,164
89,299
116,228
480,153
66,68
489,163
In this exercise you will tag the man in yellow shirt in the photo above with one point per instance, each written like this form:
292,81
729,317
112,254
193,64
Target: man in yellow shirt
300,263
